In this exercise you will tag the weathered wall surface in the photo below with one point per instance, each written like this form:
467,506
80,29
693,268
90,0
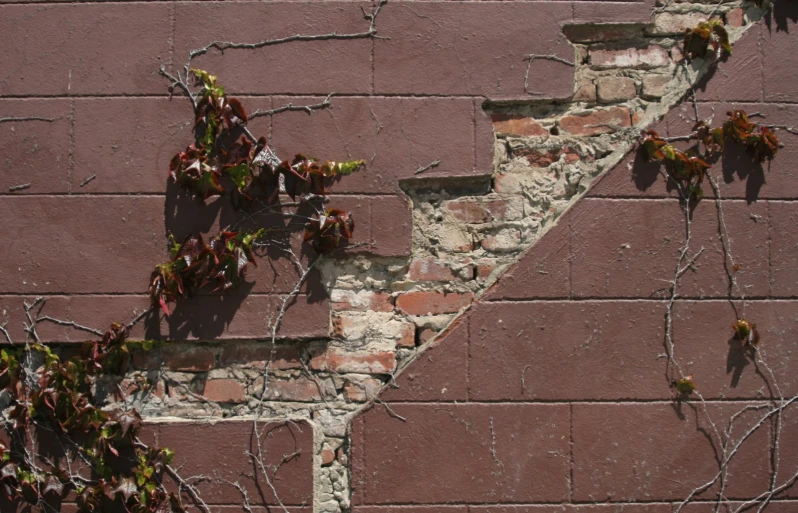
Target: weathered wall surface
549,393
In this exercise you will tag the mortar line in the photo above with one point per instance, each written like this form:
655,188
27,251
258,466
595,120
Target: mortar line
571,445
172,24
468,358
770,250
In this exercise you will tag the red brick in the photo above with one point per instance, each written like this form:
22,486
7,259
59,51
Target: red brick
707,348
485,267
644,58
408,336
146,360
430,269
337,359
784,241
545,344
259,355
543,271
300,389
438,373
544,158
615,89
598,33
425,303
395,136
516,124
179,357
35,152
225,391
739,78
778,51
391,226
438,508
84,49
348,300
327,455
490,452
597,122
476,211
451,39
735,18
362,390
340,66
653,452
222,449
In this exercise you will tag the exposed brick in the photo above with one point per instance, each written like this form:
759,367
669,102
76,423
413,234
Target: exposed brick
595,33
615,89
225,391
340,65
84,48
468,59
642,451
337,359
426,303
349,300
188,358
402,130
596,122
35,152
327,455
586,92
430,269
476,211
256,355
671,24
544,158
654,85
545,344
516,124
425,334
301,389
735,18
407,336
362,390
504,240
223,447
644,58
486,435
146,360
485,267
438,373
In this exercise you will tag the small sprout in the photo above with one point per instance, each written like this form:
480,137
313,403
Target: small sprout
747,333
685,386
706,34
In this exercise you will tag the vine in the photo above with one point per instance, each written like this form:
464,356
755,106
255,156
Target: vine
687,170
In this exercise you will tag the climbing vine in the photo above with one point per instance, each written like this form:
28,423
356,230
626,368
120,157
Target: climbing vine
687,170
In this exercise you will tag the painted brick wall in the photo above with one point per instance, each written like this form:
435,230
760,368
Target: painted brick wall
397,385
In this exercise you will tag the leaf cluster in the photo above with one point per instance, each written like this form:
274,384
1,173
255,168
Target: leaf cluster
193,264
707,34
688,168
58,396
